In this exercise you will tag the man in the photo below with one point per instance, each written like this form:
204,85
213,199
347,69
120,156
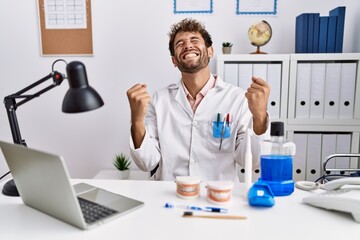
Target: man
196,127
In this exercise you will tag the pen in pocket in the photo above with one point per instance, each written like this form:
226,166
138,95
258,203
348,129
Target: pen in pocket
222,133
228,119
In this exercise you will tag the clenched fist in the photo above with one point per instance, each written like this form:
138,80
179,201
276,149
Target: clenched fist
139,100
257,95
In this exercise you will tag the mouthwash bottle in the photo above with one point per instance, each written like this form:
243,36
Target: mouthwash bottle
276,161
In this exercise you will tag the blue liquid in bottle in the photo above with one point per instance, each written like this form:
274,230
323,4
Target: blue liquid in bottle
276,171
276,162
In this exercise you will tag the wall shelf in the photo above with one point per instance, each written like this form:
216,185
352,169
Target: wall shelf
333,80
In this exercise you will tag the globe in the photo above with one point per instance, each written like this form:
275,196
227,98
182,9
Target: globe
260,34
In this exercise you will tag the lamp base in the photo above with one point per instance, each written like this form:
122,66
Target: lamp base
10,189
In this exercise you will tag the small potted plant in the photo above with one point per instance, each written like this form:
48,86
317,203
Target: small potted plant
122,163
226,47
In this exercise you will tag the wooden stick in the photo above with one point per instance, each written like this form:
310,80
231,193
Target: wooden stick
190,214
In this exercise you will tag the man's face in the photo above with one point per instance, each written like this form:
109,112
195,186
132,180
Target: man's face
190,52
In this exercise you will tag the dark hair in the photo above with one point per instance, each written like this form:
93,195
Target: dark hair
188,25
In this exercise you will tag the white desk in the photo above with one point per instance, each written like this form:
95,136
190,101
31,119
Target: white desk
135,174
288,219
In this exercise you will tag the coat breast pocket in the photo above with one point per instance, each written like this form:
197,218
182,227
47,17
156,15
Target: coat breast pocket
220,136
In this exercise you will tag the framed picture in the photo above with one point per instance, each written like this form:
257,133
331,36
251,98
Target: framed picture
193,6
55,36
256,7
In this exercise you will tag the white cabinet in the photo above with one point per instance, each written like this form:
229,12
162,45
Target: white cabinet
323,104
238,69
317,96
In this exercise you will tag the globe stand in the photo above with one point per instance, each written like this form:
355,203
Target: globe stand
258,51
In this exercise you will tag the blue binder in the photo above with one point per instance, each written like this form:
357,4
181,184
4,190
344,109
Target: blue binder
340,13
331,34
301,33
323,32
310,36
316,32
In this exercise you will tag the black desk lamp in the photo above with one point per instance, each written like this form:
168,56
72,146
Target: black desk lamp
79,98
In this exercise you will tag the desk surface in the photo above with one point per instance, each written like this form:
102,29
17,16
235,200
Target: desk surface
288,219
135,174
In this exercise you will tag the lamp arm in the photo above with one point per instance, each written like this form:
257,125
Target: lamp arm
11,104
14,126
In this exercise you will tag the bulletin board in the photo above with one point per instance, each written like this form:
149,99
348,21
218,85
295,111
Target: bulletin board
66,41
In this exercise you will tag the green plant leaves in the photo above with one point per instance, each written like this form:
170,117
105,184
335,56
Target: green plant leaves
121,162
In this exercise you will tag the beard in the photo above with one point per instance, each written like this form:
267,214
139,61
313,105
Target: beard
195,65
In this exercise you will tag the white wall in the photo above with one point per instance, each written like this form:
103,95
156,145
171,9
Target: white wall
130,46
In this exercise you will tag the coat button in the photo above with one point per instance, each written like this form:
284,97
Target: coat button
194,123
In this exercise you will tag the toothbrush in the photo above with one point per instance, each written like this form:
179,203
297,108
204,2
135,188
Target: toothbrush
248,163
196,208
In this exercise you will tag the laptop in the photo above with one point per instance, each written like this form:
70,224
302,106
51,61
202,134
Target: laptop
43,183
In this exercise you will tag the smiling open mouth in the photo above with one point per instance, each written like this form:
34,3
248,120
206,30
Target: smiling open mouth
190,55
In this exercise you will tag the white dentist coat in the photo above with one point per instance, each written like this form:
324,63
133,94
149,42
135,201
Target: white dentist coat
182,142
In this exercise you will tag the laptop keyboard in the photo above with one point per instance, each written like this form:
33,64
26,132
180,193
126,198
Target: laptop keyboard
93,211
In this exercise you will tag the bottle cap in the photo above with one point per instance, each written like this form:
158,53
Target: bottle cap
277,129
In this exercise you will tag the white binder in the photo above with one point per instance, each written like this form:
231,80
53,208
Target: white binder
313,158
231,73
245,74
241,174
343,145
328,148
347,90
260,70
240,170
332,90
317,90
256,175
299,160
302,106
274,79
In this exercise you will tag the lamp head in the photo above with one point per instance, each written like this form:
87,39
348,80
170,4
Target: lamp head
80,97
